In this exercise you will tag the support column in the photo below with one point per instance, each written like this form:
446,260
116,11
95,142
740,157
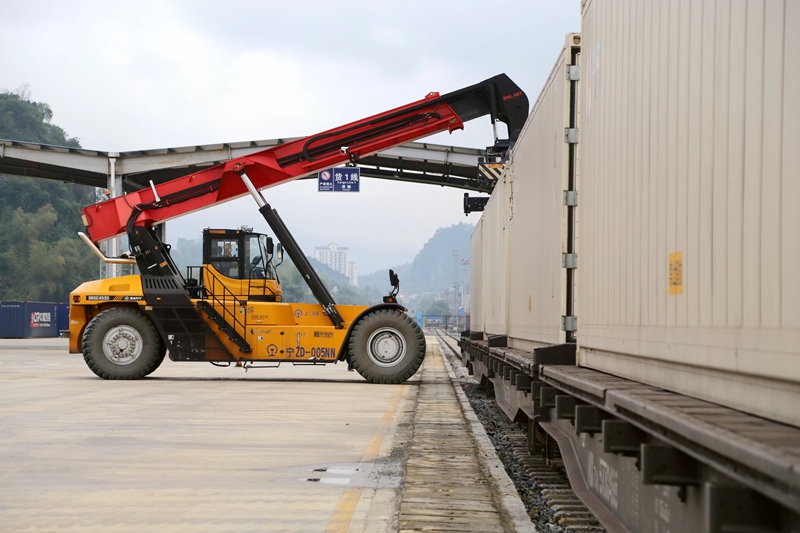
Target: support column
115,189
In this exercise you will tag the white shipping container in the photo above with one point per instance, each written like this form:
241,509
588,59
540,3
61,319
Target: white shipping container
689,240
476,278
493,259
537,227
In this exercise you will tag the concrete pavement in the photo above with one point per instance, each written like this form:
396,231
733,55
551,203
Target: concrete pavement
195,447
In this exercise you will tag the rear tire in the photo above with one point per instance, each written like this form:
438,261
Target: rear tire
122,343
386,346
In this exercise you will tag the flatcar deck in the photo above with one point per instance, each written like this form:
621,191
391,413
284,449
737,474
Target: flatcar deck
760,453
640,457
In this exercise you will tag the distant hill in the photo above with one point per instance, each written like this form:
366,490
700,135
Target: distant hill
435,268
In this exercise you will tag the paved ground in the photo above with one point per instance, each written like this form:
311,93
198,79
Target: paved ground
453,479
200,448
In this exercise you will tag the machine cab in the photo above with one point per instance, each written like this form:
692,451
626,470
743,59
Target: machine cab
240,261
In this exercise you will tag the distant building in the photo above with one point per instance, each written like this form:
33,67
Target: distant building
352,273
338,258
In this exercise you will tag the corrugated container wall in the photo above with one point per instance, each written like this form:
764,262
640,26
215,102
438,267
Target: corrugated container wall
22,320
538,227
493,259
476,278
688,236
63,317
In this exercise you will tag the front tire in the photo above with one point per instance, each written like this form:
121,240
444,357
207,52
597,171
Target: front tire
122,343
387,346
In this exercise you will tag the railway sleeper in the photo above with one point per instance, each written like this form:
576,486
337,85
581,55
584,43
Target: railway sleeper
585,528
557,494
572,503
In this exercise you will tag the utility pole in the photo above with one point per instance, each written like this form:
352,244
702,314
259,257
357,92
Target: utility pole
455,281
465,264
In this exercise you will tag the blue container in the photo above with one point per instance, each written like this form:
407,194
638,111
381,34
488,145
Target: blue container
24,320
63,317
11,322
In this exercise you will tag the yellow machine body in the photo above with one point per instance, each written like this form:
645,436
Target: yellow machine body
93,297
231,311
276,331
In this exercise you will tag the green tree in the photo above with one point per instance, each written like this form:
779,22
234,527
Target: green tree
38,266
41,257
292,284
22,119
295,289
433,307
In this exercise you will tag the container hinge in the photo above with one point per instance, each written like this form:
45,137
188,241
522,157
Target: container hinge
569,260
571,135
570,198
573,72
569,323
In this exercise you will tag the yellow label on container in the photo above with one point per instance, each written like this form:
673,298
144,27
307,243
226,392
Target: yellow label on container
676,273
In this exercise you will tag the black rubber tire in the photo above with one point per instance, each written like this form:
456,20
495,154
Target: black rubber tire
159,356
122,343
386,346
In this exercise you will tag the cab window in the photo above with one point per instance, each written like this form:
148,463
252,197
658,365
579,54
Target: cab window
256,258
225,256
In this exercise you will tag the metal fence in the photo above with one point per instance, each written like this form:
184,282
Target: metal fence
447,322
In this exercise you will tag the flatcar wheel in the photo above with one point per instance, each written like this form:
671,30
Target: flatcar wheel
122,343
386,346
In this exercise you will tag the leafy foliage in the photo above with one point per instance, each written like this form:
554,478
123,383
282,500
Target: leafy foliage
431,306
40,254
294,288
24,120
41,257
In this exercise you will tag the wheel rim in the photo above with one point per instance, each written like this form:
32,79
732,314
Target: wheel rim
386,347
122,345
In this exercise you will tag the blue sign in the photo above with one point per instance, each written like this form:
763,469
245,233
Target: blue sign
340,179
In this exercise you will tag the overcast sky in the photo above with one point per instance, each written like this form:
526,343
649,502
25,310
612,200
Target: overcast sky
128,75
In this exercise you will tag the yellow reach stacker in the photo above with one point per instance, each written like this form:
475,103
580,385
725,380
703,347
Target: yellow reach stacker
231,309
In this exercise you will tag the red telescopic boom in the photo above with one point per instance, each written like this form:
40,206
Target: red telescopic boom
497,96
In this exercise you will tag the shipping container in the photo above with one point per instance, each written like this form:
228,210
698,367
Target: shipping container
689,240
63,317
23,320
476,278
539,228
494,259
525,290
